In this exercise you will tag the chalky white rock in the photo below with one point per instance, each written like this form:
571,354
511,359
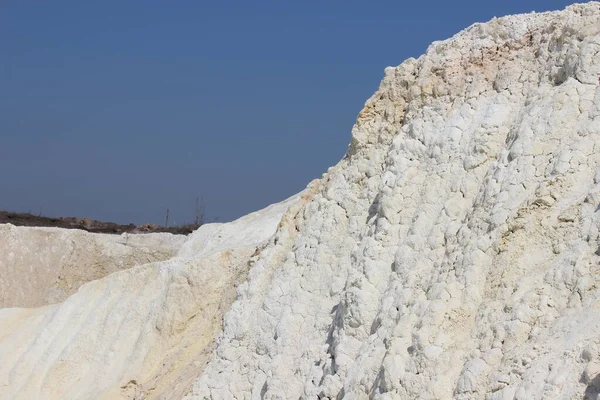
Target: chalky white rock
454,253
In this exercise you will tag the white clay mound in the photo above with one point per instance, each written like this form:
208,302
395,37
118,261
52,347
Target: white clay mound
143,332
40,266
454,253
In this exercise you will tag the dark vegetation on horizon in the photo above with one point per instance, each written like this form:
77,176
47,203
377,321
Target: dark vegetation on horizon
90,225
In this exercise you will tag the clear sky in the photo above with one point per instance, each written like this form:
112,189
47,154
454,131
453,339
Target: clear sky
116,110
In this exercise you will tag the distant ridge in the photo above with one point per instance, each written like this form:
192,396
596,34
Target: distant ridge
90,225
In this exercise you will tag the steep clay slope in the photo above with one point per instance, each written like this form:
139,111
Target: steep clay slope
454,252
143,332
40,266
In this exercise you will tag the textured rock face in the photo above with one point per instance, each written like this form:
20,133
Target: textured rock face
453,253
40,266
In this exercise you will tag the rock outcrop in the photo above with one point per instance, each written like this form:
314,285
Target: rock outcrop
452,254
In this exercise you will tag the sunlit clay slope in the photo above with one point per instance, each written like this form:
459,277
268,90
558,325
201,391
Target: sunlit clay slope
454,253
143,332
39,266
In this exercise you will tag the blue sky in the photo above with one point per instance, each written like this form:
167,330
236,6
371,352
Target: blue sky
118,110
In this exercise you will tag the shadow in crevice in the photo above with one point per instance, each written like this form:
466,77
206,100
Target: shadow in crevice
374,207
592,391
263,390
337,313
